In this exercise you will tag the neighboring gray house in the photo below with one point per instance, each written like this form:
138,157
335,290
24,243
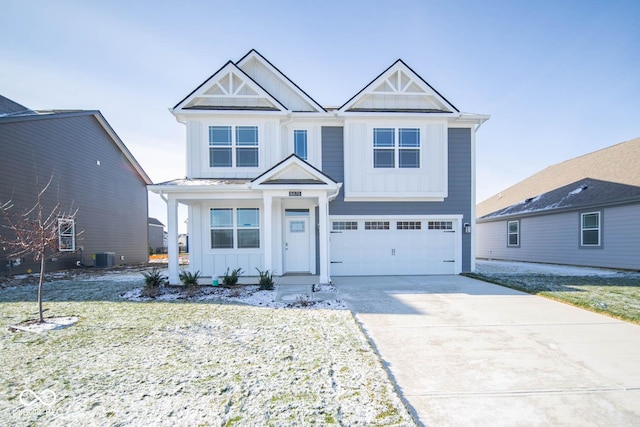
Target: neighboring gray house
589,223
382,185
92,172
157,241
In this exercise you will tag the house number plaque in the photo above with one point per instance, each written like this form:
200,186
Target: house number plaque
295,193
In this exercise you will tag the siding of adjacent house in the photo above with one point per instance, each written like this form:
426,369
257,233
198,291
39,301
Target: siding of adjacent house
459,184
110,198
555,238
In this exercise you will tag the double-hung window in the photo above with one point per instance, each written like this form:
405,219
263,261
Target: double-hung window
393,147
300,143
513,233
233,146
66,235
235,228
590,229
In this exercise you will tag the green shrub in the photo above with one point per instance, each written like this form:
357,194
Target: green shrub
190,281
153,280
266,280
231,279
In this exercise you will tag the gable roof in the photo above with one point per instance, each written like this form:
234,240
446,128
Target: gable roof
230,88
581,194
293,171
399,89
270,77
48,115
618,163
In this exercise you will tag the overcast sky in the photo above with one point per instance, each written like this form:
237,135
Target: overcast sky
559,78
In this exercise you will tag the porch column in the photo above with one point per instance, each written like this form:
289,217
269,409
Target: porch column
172,240
323,236
267,200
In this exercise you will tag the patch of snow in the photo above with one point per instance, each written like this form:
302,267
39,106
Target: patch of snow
494,267
49,324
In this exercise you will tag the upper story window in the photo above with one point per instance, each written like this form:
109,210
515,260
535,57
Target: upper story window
590,229
300,143
387,153
513,233
231,146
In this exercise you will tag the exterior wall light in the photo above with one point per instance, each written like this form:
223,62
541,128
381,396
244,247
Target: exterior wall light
467,228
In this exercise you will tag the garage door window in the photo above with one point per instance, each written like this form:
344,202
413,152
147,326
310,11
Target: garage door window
409,225
440,225
344,225
376,225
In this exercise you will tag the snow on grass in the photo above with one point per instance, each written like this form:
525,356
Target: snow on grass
616,293
186,362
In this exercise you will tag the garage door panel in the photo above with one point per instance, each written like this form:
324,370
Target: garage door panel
410,248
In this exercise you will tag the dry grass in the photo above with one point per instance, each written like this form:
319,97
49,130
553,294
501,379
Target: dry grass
184,363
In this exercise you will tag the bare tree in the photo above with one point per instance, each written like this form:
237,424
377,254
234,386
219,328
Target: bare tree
37,232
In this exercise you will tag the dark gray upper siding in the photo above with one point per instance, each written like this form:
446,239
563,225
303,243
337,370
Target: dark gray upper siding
111,198
458,201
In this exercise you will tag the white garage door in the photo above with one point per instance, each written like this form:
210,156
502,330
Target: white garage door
362,247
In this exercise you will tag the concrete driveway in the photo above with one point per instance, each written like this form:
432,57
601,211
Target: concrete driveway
465,352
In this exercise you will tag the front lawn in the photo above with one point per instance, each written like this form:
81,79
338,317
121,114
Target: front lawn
186,363
616,295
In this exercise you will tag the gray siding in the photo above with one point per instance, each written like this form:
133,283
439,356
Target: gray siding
555,238
458,201
111,198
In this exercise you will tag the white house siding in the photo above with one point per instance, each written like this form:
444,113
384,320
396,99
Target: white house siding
555,238
362,180
198,146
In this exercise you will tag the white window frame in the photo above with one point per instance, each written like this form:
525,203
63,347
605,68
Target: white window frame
306,143
598,228
66,232
516,233
397,148
234,146
235,227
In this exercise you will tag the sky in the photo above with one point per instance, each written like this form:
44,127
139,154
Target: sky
559,78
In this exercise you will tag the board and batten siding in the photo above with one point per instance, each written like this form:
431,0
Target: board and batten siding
269,147
110,197
555,238
458,201
362,180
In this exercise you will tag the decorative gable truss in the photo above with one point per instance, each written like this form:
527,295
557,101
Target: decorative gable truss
399,89
230,88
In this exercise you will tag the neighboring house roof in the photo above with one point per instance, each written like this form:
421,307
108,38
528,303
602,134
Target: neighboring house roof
31,115
618,163
154,221
9,107
584,194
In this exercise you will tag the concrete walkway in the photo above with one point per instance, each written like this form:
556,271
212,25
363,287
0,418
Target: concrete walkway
465,352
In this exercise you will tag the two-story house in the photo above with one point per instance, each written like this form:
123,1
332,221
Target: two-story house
383,185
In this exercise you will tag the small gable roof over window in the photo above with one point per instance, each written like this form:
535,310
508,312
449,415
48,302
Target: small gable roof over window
399,89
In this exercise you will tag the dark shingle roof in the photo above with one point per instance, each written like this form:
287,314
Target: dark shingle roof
587,192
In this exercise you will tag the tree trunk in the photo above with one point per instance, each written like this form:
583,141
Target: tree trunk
41,318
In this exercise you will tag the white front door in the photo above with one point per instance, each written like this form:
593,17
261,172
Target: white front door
296,244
